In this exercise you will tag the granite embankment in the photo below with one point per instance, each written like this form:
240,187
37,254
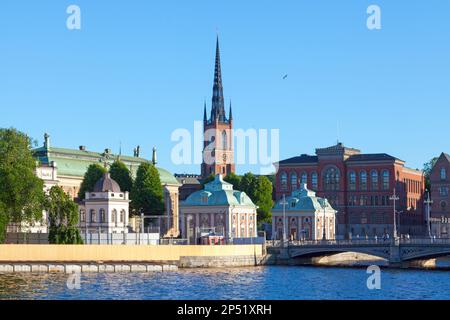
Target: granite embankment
109,258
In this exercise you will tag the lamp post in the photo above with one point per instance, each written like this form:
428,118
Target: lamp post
324,236
428,202
284,203
395,198
86,226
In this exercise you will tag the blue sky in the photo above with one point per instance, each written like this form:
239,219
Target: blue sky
138,70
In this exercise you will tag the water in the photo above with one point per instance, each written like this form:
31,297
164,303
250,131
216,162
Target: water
261,283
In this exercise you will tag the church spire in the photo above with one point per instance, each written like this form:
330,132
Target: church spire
230,115
218,108
205,116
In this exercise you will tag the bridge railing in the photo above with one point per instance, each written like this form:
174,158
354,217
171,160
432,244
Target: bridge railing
354,242
425,241
358,242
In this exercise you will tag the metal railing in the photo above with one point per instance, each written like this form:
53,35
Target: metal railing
358,242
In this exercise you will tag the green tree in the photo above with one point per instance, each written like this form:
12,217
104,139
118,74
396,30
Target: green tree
21,192
120,173
3,222
248,184
62,217
94,173
208,179
259,189
147,193
263,199
427,167
234,179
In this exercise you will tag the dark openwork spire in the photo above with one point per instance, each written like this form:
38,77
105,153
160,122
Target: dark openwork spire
218,107
205,116
230,115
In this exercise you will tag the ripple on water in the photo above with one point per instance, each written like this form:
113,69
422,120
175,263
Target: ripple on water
261,283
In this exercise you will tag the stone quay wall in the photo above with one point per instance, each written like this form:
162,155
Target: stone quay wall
121,258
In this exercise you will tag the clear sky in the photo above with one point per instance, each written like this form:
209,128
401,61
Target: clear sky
138,70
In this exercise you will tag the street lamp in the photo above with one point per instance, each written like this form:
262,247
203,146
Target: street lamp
284,203
428,202
395,198
324,236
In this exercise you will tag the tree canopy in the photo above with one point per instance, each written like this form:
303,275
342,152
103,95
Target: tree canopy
259,189
121,174
427,167
62,217
147,192
21,191
93,174
234,179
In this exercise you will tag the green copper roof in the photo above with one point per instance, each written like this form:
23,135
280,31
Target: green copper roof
303,200
218,193
75,162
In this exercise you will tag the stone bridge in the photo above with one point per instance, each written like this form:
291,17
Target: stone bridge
396,252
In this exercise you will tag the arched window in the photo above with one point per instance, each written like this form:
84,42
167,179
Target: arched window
331,179
114,216
294,181
314,181
304,178
352,180
82,216
363,180
443,174
102,215
374,179
93,215
283,180
385,179
122,216
224,140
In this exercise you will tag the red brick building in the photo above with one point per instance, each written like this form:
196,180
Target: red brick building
218,149
440,187
359,186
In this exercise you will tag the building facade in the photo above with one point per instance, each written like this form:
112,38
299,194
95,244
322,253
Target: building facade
105,209
218,148
440,188
359,186
66,168
218,210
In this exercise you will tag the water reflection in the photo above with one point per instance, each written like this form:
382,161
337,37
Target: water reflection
310,283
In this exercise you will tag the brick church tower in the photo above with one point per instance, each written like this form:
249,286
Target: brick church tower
218,149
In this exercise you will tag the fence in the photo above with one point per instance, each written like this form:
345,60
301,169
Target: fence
121,238
90,238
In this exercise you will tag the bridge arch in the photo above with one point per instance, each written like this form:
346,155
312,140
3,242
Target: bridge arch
424,253
376,252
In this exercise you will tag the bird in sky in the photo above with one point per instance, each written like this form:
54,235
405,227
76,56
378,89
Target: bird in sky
285,76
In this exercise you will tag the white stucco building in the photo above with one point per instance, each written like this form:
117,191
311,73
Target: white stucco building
302,214
106,208
220,209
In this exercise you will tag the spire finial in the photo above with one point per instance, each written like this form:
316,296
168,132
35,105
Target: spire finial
154,159
218,110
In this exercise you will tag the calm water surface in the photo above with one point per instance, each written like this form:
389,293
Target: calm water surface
262,283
